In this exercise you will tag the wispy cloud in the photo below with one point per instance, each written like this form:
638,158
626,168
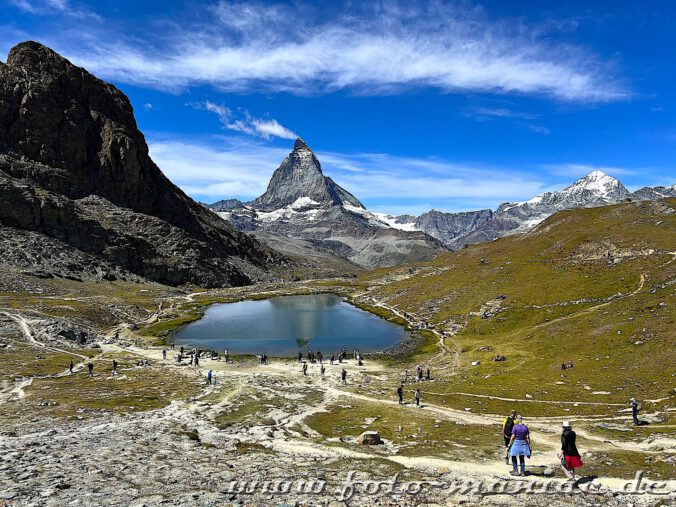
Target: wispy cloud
376,48
245,123
483,113
578,170
64,7
236,168
489,113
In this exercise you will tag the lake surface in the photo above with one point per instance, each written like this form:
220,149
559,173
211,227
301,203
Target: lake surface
282,326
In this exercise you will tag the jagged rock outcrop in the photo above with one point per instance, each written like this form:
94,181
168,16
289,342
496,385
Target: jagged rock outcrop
74,167
301,203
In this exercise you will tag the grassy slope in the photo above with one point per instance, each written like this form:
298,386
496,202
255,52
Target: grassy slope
560,261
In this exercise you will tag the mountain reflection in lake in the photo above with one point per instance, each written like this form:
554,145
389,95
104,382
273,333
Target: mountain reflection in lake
282,326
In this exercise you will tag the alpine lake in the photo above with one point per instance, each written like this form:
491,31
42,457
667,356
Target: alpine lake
283,326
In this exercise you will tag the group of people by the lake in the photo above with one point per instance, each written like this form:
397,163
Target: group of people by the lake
518,446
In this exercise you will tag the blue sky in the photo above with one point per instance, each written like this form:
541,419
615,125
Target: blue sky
410,106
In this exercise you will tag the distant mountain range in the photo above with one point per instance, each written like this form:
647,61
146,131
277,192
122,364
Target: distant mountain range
457,229
300,202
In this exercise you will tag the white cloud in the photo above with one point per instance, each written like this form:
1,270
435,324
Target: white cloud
235,168
247,124
377,48
483,113
578,170
53,6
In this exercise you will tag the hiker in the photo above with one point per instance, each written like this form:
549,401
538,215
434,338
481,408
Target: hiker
563,366
197,360
570,457
173,346
570,365
70,367
359,361
635,408
304,368
519,445
164,353
225,355
181,349
507,425
322,371
114,370
416,395
400,394
428,374
90,367
210,377
320,356
419,374
406,374
299,357
332,359
343,376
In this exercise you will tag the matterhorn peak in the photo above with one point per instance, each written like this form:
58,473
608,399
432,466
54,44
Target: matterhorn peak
300,145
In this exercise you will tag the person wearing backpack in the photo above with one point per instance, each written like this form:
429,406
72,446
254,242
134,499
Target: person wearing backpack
507,425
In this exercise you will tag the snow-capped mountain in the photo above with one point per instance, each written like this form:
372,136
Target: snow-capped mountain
457,229
303,204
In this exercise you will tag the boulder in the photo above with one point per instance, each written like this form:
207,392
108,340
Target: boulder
369,438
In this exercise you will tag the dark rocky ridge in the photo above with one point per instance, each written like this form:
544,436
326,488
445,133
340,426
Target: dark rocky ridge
75,167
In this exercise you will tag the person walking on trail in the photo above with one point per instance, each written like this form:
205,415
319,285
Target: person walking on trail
416,395
428,375
400,394
197,360
90,367
164,354
225,355
570,457
343,376
322,371
333,358
635,408
70,367
304,368
507,425
210,377
114,370
519,446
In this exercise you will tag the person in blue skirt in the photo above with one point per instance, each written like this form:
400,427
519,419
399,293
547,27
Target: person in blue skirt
519,446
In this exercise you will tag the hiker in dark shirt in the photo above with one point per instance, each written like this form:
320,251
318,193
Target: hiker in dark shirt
570,457
90,367
343,376
114,370
400,394
507,426
70,367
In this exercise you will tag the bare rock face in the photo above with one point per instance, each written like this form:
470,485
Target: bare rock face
75,167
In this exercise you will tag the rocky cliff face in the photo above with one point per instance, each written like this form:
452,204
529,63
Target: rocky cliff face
75,167
301,203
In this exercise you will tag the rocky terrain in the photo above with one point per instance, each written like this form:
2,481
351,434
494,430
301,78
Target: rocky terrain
302,204
594,286
458,229
75,176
